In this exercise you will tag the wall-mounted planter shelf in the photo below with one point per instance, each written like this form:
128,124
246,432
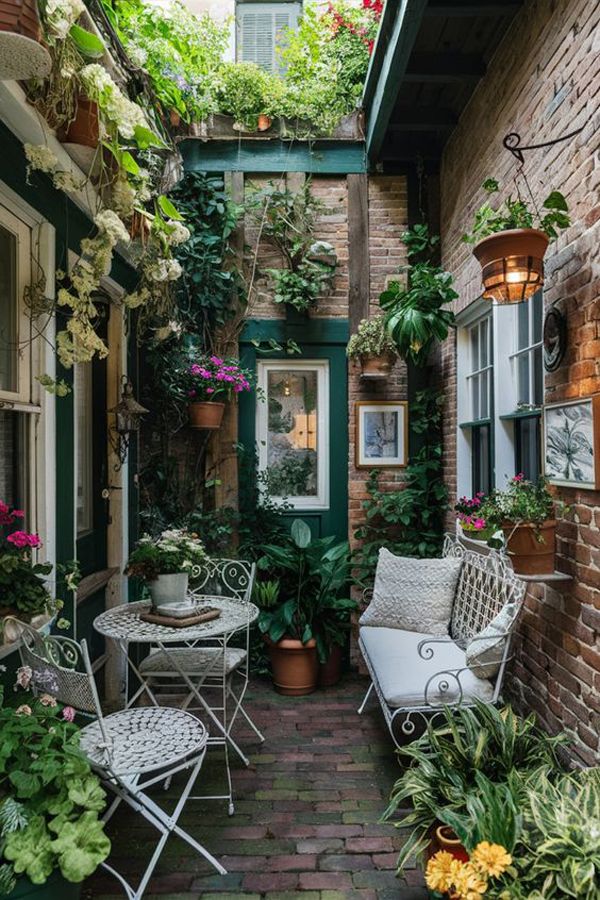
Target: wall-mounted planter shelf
550,578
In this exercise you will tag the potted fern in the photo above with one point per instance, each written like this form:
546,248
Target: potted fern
373,347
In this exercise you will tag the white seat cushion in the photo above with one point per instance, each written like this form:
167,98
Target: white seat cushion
402,673
192,661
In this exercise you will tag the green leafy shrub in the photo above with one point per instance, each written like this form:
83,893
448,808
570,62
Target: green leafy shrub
516,213
245,91
371,339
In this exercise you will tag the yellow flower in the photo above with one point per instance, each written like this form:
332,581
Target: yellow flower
438,875
490,859
467,882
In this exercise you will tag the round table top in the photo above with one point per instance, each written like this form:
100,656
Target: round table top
123,623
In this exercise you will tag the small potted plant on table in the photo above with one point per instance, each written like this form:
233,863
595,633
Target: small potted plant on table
312,575
206,381
51,833
373,347
164,564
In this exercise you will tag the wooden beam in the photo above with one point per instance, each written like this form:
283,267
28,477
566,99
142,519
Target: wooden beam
358,249
321,157
422,118
434,68
408,15
456,9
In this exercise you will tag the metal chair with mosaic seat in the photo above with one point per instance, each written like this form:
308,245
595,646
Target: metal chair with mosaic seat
130,750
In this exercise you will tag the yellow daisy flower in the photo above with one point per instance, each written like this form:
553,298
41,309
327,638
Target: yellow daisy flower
491,859
468,883
439,872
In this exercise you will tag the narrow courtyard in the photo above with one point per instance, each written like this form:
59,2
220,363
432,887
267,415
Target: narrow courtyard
307,811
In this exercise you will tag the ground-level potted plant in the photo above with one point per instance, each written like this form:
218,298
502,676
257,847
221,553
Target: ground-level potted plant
523,514
511,242
208,383
311,572
164,563
373,347
51,832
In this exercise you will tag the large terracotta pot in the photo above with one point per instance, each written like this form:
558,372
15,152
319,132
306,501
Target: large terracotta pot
330,671
22,55
531,548
206,415
85,127
295,666
377,366
444,838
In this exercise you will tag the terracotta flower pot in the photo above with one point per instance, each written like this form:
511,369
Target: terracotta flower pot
445,839
512,263
22,54
531,548
295,666
264,122
377,366
85,127
174,118
204,414
330,671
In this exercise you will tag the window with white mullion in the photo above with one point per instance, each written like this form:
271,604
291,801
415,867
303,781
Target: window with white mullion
527,359
479,377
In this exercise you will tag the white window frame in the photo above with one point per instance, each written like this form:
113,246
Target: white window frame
321,366
293,8
528,351
475,376
22,232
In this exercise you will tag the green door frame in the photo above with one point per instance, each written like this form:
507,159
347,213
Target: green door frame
319,339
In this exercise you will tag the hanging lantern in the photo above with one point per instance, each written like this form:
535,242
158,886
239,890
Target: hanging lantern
512,264
128,416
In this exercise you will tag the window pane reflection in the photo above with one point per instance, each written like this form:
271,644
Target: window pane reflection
292,439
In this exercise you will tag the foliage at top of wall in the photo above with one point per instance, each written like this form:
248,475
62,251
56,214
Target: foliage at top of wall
325,61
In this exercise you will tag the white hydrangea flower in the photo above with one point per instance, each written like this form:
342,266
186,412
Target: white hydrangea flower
61,15
123,197
40,157
109,223
178,233
137,55
66,181
95,80
165,270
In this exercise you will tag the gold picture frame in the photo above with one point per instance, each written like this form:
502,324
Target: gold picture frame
381,434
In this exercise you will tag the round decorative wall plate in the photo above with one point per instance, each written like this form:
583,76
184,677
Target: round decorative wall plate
554,339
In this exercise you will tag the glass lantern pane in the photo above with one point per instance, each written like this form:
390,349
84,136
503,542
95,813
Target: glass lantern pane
9,334
293,439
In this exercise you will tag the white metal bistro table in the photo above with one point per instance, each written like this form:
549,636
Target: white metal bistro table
124,625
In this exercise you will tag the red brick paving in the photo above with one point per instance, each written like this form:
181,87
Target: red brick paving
307,812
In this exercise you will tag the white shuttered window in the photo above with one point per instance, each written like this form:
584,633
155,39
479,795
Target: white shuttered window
259,31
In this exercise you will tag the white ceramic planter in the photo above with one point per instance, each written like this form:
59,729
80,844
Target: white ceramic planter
167,590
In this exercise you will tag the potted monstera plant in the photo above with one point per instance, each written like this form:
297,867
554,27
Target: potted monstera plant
312,576
373,347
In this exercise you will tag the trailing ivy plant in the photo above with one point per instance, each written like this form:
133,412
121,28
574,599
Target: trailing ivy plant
287,219
514,212
415,310
408,521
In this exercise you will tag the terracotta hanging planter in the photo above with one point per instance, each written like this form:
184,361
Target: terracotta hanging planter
22,55
295,666
204,414
376,366
512,263
85,127
531,548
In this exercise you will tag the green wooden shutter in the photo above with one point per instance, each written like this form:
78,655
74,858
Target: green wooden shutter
260,27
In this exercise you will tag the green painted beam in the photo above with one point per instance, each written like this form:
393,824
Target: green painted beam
320,157
396,54
308,331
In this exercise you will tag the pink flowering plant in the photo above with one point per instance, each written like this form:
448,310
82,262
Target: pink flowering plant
50,800
521,502
211,378
23,589
472,517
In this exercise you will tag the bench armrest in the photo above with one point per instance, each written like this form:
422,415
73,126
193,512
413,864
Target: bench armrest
427,652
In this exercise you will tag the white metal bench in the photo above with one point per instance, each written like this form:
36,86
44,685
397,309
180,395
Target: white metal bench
414,675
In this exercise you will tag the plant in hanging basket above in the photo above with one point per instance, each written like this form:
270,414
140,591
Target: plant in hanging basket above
511,242
208,383
22,55
373,347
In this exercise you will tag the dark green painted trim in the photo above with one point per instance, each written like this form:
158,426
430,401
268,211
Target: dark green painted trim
328,341
385,77
312,331
522,414
319,158
475,423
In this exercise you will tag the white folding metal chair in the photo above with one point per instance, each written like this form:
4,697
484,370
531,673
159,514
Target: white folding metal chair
218,664
130,750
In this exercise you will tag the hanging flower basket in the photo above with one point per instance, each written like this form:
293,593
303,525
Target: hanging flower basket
22,54
206,414
85,127
512,264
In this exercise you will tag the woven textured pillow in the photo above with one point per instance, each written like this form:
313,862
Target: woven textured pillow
413,594
484,655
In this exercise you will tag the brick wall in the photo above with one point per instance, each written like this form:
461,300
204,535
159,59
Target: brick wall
543,82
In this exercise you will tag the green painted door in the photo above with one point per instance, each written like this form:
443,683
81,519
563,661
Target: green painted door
298,423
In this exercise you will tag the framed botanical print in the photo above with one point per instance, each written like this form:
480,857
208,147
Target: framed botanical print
381,434
572,443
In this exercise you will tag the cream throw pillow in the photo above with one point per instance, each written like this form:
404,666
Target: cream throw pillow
485,654
413,594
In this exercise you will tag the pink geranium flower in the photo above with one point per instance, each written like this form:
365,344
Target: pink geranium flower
68,714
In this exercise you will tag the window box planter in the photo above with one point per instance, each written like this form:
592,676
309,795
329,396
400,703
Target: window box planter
531,548
206,414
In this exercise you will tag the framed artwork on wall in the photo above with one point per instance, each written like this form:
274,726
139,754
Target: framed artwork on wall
572,443
381,434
